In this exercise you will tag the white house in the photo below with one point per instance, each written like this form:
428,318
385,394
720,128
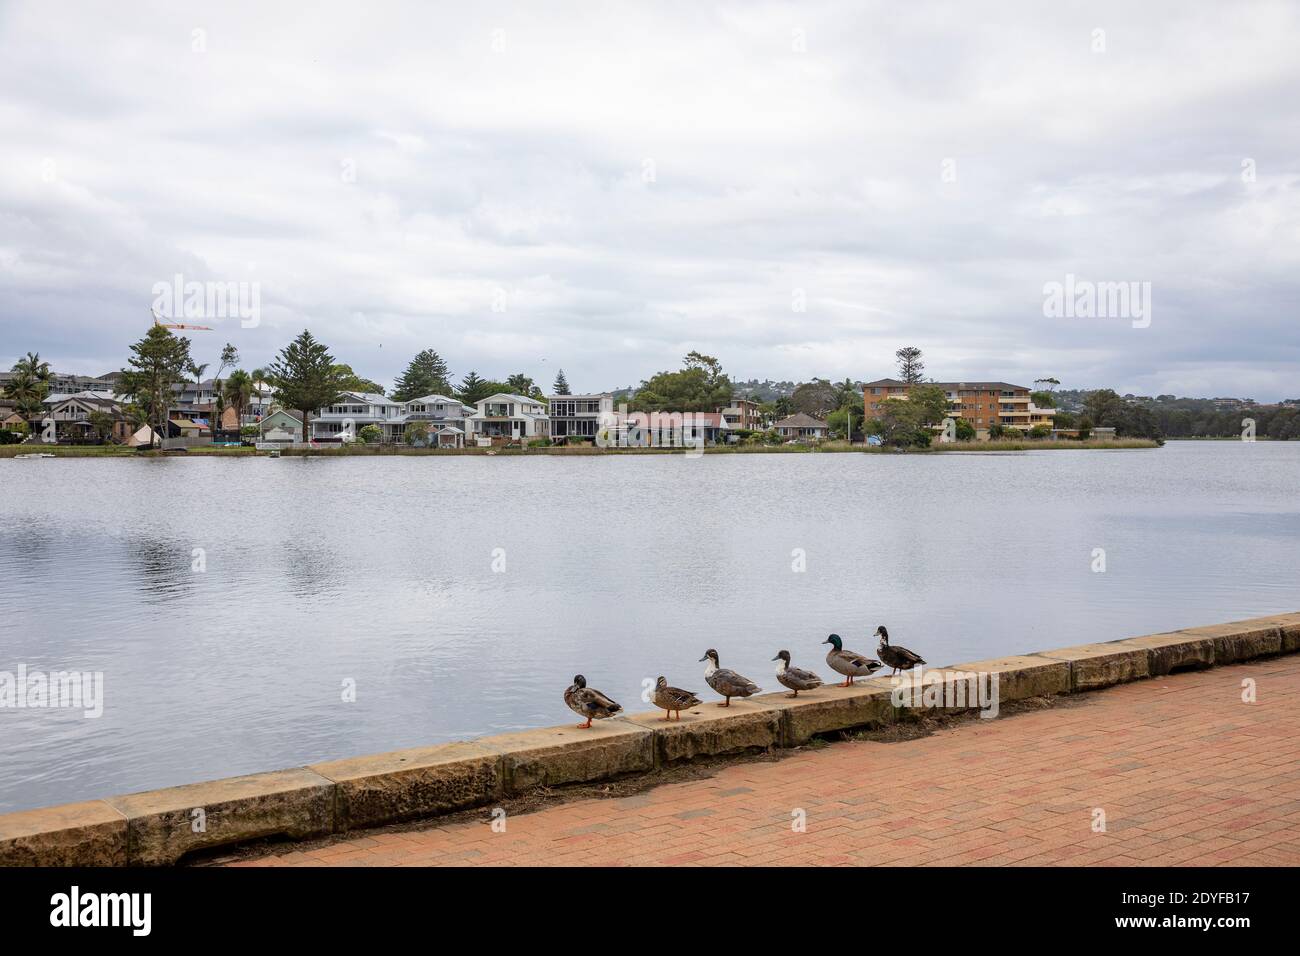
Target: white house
506,417
353,411
445,417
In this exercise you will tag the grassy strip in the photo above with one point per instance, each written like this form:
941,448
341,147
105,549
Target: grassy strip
118,451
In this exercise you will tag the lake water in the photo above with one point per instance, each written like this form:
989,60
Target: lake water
378,573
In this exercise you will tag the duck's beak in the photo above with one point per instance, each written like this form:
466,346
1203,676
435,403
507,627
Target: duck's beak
704,658
777,658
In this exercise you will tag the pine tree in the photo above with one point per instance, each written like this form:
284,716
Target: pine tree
561,386
305,377
910,366
470,386
426,374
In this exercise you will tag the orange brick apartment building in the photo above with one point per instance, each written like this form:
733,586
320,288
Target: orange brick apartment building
980,403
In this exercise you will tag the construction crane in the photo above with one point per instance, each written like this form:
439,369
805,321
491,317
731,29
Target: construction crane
157,320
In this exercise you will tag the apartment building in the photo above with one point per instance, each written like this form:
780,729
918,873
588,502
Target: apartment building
983,404
65,383
743,413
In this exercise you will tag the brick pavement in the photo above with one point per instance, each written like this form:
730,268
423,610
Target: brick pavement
1185,772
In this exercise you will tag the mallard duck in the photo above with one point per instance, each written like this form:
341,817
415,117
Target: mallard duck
796,678
899,658
726,682
673,698
587,702
848,663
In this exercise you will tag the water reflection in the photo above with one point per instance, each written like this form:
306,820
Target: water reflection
380,573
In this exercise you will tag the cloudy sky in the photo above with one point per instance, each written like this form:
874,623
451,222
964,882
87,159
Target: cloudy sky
603,187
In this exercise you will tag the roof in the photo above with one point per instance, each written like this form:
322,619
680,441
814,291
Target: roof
895,383
371,398
437,400
281,411
800,420
513,397
87,396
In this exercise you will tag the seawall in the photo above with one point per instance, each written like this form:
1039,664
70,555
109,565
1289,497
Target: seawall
162,827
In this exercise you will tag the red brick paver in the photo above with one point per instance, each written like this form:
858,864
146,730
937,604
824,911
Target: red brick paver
1184,771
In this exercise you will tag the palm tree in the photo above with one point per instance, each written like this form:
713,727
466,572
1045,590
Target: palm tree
259,378
31,364
30,384
237,390
27,393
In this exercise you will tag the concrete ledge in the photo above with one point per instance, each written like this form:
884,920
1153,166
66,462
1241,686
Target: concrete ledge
828,709
1173,651
554,756
1240,641
161,824
159,827
1093,666
748,724
403,784
1287,624
75,834
1020,675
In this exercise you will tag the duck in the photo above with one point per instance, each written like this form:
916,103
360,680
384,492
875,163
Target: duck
674,698
726,682
848,663
899,658
588,702
796,678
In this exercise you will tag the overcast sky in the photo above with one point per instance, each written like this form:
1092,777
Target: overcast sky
633,182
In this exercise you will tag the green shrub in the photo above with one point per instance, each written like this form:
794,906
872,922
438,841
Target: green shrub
539,443
371,434
417,434
1040,431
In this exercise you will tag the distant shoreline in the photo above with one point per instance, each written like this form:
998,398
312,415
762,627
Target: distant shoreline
361,451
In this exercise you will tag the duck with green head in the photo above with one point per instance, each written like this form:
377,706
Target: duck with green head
848,663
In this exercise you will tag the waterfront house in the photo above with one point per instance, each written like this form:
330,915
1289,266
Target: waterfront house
801,427
668,429
743,413
71,415
280,426
445,417
982,404
579,416
353,411
504,417
10,418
